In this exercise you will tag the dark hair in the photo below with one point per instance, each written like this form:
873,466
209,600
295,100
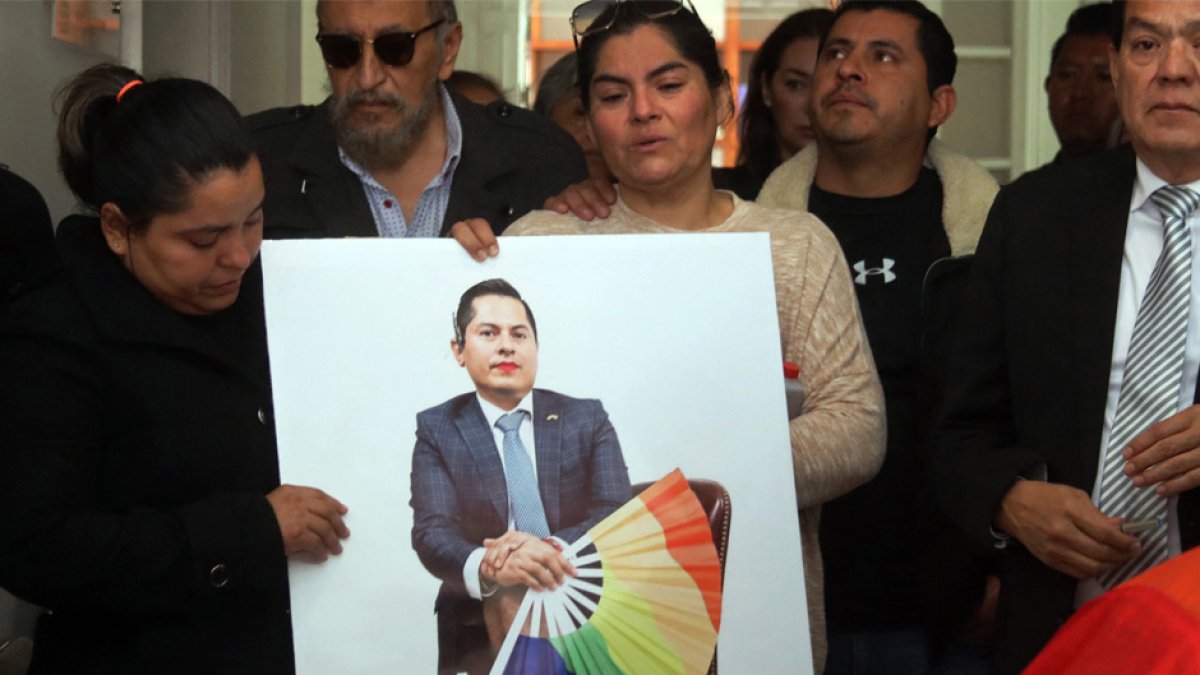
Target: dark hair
557,83
447,13
756,125
1117,23
465,79
437,9
1087,20
687,33
443,10
466,305
933,40
146,152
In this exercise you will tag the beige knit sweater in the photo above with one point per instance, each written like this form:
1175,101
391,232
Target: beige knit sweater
838,442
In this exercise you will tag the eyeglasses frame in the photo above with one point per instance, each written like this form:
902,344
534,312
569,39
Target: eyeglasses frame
360,41
592,29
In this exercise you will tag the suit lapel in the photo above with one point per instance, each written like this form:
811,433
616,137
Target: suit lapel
1098,218
547,432
473,427
330,190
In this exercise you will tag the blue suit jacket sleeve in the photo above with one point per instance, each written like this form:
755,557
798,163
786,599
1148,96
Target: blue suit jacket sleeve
439,526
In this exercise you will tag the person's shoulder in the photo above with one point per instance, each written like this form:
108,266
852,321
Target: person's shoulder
47,305
1063,192
968,186
783,223
541,223
26,219
281,125
1082,173
789,184
284,117
800,242
503,122
446,410
549,402
952,165
48,308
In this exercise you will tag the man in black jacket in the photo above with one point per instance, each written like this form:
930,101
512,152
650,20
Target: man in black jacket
393,152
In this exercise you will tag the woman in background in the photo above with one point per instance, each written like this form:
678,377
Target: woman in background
139,498
558,98
773,124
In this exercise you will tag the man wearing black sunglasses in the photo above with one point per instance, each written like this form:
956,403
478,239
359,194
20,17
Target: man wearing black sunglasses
393,152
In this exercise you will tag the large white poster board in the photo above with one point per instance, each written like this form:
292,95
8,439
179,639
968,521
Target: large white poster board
677,335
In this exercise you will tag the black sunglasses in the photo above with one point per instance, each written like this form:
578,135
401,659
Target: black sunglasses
393,49
598,16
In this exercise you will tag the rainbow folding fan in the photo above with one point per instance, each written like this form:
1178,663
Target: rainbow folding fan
647,598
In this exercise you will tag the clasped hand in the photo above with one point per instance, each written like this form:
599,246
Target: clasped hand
521,558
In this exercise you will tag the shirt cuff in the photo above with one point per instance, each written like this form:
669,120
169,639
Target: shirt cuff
471,574
1037,472
1000,540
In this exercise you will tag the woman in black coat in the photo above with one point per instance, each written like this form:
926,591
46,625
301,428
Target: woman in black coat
139,498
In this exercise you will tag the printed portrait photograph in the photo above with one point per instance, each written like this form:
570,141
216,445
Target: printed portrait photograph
573,457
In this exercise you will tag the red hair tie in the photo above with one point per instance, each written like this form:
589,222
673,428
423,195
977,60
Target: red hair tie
129,85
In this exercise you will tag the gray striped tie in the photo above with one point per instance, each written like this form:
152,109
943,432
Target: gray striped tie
523,499
1153,377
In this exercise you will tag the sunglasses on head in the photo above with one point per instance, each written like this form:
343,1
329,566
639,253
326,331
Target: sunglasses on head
392,49
598,16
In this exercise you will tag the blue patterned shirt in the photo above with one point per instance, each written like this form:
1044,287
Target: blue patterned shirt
431,206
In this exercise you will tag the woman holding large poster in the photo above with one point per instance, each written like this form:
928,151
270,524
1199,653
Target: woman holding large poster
655,94
139,491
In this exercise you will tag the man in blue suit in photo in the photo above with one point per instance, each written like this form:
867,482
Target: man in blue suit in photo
505,476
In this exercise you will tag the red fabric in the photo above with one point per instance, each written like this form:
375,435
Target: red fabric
1149,625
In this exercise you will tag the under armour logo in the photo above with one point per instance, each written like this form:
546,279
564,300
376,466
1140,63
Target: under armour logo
863,271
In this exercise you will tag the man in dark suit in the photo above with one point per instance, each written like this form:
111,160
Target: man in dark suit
393,152
1042,425
474,526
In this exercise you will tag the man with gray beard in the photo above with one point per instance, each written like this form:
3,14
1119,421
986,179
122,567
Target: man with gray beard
393,152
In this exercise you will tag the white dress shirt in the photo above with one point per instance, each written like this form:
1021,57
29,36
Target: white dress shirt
493,413
1143,244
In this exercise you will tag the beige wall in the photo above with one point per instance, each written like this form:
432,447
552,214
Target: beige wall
265,54
34,65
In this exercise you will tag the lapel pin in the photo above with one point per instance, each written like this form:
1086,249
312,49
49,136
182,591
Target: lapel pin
552,417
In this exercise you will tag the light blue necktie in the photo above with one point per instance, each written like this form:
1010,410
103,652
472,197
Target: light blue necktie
528,513
1153,377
